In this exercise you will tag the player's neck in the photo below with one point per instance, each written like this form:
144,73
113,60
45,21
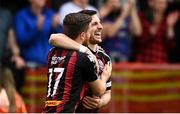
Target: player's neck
79,40
93,47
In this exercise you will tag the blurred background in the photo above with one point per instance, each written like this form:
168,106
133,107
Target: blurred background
142,38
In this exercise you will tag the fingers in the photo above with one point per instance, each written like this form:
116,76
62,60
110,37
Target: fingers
110,66
97,65
91,103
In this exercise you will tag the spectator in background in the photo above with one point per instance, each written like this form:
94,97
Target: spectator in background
119,19
177,51
158,33
55,4
174,55
10,100
9,50
33,26
13,5
74,6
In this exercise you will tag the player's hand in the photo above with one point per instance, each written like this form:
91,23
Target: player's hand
92,102
107,71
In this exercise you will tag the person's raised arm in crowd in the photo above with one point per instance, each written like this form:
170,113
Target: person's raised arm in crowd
16,58
122,12
135,24
172,18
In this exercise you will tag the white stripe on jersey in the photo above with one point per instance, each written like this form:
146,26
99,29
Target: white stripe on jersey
109,84
99,49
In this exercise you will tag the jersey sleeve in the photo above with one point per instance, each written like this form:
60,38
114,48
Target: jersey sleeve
89,68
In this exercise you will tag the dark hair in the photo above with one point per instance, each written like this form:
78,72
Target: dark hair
75,23
88,12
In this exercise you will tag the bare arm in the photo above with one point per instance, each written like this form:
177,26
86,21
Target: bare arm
99,86
63,41
97,102
15,50
105,98
135,25
172,18
12,43
110,29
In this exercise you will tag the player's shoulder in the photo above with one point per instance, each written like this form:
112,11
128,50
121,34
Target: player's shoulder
102,53
86,57
101,50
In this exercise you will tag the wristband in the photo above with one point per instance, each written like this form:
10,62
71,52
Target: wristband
82,49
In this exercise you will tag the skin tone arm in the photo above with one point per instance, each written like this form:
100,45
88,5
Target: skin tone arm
61,40
111,29
171,21
15,50
99,86
97,102
135,25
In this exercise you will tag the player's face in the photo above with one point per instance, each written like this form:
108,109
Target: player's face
96,29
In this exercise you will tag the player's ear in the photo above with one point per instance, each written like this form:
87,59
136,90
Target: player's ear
82,35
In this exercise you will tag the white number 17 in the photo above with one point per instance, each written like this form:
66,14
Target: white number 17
51,71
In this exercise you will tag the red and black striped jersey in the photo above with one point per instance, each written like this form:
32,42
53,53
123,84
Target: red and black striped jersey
103,59
68,70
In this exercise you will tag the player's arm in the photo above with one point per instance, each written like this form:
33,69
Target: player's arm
105,98
63,41
99,86
96,83
97,102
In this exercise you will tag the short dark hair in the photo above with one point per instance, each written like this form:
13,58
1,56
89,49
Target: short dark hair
75,23
88,12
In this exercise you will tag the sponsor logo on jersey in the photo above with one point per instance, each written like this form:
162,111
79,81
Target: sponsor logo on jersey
56,60
52,103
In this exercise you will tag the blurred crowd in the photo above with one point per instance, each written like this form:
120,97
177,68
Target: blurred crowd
145,31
